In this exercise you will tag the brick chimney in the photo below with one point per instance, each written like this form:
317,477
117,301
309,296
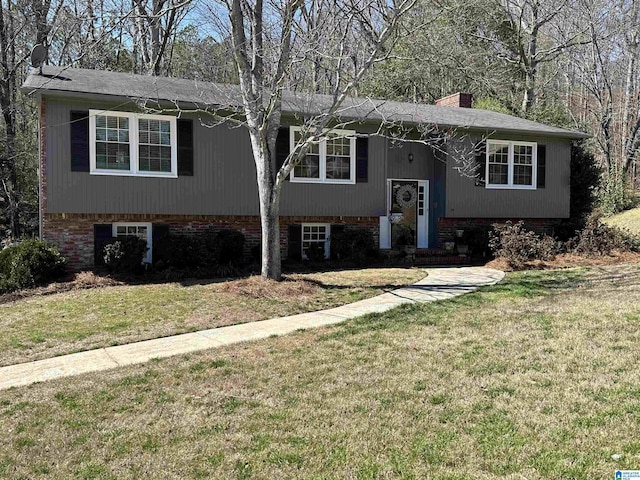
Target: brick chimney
459,99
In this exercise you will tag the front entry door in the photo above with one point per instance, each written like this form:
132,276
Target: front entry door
406,224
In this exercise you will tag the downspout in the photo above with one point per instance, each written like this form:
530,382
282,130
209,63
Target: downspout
41,159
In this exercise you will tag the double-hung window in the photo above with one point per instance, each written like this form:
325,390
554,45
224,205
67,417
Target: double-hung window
330,160
140,230
124,143
315,234
511,164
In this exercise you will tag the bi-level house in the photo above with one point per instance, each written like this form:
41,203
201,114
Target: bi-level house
109,168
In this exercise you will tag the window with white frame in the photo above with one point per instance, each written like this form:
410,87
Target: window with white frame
140,230
124,143
511,164
330,160
315,235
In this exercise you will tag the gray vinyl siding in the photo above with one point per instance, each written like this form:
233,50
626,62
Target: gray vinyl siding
420,168
465,200
224,181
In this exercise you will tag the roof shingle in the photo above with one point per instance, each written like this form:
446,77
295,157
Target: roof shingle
62,80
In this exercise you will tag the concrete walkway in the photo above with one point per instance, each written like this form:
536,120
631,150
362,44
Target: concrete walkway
440,284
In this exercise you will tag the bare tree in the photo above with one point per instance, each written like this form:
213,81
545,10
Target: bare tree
269,40
155,23
529,33
608,73
17,20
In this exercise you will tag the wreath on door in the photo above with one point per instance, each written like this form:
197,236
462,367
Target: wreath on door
406,196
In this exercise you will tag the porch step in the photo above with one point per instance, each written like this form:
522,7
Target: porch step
441,260
433,252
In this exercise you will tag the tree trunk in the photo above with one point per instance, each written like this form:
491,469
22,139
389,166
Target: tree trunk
270,223
269,195
529,90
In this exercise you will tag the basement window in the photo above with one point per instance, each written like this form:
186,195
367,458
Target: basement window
315,235
140,230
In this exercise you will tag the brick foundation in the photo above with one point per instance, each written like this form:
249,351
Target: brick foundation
447,226
73,233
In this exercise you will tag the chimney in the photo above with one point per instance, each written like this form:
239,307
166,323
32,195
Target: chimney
464,100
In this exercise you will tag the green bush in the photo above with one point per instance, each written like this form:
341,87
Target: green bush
517,245
352,244
599,239
180,252
228,247
30,263
124,254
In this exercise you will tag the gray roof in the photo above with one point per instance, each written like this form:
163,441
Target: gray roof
64,80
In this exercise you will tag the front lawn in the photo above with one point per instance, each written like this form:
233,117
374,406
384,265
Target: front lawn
49,325
534,378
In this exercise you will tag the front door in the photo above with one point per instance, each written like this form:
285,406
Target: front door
406,224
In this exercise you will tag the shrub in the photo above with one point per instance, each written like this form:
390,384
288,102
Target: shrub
315,252
477,238
228,247
352,244
599,239
124,254
30,263
256,253
517,245
180,252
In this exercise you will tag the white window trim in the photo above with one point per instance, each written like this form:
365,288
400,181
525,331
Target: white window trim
510,185
327,242
133,145
351,134
149,256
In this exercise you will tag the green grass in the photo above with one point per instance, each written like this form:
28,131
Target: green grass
49,325
533,378
629,219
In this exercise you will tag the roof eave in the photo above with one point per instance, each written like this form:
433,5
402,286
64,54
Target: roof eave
31,89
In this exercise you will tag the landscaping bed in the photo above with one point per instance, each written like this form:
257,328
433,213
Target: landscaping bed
535,377
568,260
93,311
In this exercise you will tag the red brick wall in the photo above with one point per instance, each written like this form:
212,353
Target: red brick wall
447,226
464,100
73,233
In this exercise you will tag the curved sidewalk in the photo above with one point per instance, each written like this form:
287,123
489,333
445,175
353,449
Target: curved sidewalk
440,284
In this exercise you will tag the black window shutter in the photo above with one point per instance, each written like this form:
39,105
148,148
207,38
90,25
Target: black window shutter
102,233
185,147
295,242
336,232
542,166
481,163
159,232
283,147
79,141
362,160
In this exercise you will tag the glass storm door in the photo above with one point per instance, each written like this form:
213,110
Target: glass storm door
404,213
406,224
